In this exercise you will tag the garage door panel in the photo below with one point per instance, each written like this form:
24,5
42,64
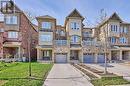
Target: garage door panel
61,58
88,59
101,58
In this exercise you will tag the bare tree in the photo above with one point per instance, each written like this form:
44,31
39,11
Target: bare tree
102,18
31,18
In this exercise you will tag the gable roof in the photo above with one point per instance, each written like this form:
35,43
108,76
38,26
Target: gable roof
75,13
45,16
114,16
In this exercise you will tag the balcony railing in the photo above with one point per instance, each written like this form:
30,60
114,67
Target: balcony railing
60,42
92,43
44,29
88,43
12,39
87,35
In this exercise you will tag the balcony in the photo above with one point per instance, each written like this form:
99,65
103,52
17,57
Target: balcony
12,40
60,42
87,35
87,43
92,43
115,34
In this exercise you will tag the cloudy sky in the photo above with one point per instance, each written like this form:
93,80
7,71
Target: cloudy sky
90,9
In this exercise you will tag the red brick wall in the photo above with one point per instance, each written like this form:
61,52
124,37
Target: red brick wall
27,29
1,45
1,40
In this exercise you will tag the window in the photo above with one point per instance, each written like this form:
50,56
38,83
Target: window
11,20
12,34
62,33
46,25
123,40
75,25
124,30
45,38
114,28
113,40
75,39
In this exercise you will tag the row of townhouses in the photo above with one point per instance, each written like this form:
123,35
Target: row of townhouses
72,42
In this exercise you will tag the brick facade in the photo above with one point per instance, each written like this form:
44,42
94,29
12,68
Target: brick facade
27,37
1,39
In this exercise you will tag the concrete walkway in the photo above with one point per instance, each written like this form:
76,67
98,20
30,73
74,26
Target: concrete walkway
65,75
118,68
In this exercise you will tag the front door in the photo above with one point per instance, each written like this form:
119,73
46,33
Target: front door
74,55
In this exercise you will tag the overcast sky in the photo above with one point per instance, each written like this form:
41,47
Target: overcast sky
90,9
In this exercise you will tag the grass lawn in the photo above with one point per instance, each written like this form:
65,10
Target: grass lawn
109,81
16,74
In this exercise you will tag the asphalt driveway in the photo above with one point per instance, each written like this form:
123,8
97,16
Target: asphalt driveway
65,75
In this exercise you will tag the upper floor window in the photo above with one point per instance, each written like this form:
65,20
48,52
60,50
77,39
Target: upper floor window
12,34
123,40
45,38
75,25
114,28
11,20
46,25
62,33
124,30
75,39
113,40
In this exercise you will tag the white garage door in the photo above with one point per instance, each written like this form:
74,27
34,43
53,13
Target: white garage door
61,58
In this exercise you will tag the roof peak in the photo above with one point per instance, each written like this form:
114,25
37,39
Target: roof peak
46,16
75,13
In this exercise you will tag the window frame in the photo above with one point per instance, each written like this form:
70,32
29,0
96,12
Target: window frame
113,40
46,25
75,25
75,39
123,40
13,35
11,20
114,28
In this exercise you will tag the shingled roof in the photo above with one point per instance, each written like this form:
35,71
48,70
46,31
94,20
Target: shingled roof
75,13
45,16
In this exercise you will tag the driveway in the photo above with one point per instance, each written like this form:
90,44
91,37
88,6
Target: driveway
65,75
118,68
